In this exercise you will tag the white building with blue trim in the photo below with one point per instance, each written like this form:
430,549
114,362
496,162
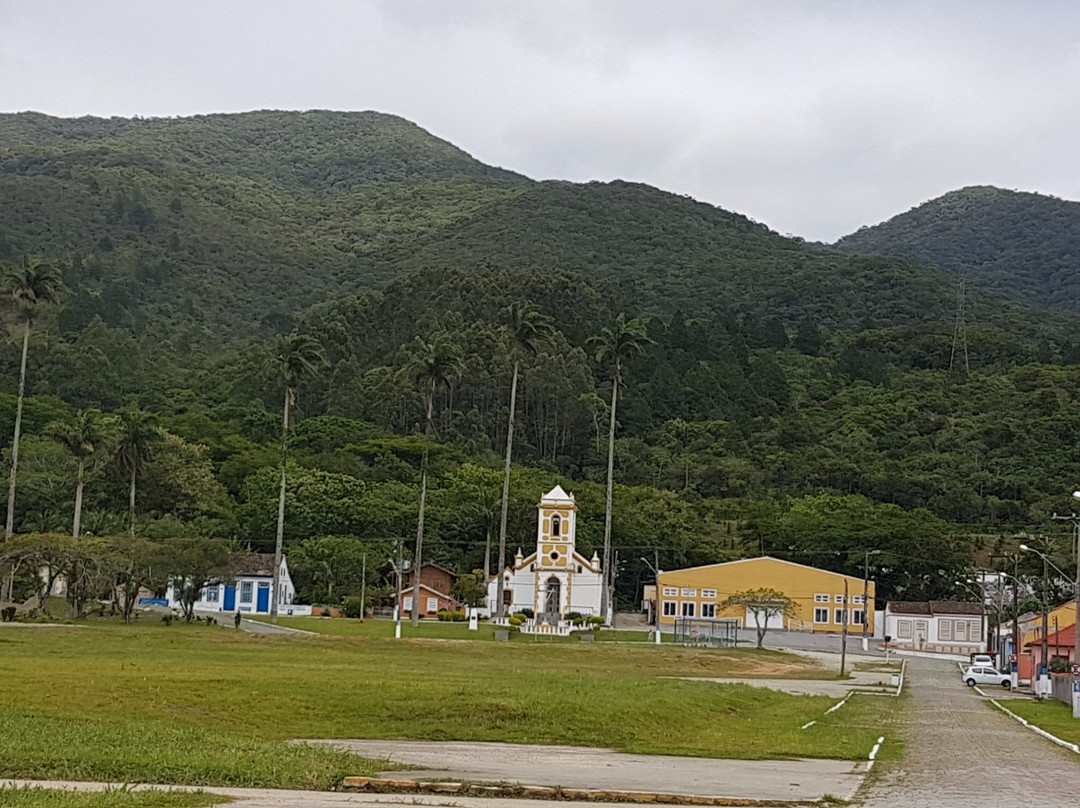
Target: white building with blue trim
249,590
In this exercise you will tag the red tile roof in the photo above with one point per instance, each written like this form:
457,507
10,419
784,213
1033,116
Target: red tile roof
1066,638
934,607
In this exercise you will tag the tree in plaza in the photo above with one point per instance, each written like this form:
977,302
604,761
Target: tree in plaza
48,555
528,330
27,289
763,604
614,346
191,565
476,492
89,437
431,366
471,589
139,435
294,356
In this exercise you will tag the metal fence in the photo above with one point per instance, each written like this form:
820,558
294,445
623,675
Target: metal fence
711,633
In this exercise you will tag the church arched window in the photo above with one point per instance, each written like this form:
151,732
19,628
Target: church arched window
556,525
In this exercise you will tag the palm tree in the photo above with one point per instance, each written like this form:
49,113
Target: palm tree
28,288
528,330
294,356
614,346
431,366
139,434
90,437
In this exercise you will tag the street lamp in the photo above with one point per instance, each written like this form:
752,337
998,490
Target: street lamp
866,609
656,597
1076,596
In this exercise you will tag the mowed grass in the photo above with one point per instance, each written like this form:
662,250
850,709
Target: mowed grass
48,798
1050,715
209,706
440,630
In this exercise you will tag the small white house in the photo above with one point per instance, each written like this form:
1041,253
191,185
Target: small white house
249,591
936,626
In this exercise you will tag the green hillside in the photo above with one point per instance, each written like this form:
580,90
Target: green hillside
1023,245
794,399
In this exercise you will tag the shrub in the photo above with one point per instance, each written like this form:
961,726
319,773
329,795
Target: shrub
573,617
444,615
596,620
529,613
458,616
352,607
516,621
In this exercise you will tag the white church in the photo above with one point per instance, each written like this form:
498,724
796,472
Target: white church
554,580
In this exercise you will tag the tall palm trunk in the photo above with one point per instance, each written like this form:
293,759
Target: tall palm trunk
9,527
605,592
280,509
418,559
80,482
131,502
499,608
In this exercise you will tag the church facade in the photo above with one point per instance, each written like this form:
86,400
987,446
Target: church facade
554,580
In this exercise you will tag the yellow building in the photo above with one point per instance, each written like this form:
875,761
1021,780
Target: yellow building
1057,619
818,595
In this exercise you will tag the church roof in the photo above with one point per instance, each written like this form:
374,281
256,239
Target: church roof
559,496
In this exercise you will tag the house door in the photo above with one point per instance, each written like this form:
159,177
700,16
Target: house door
263,604
552,600
920,634
230,598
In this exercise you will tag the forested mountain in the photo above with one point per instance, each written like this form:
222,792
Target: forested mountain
1023,245
794,398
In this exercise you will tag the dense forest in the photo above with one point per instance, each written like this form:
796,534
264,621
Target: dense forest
793,399
1026,245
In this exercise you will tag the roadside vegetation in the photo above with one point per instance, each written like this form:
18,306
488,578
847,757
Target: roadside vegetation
117,798
1050,715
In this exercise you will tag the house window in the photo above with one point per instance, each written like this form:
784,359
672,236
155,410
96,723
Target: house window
944,629
838,599
960,633
857,617
670,591
245,591
408,604
556,525
708,593
821,615
903,629
212,594
974,629
670,608
432,605
822,599
689,593
708,610
857,599
688,608
839,617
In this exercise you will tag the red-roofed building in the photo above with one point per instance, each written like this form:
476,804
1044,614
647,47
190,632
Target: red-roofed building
1059,645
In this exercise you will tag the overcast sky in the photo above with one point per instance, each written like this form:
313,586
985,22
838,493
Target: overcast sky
812,117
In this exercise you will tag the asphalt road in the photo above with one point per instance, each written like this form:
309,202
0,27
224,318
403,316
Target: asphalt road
962,752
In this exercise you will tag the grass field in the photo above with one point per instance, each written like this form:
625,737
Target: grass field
436,630
1050,715
209,706
42,798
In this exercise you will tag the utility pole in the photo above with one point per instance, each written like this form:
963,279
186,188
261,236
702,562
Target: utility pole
843,636
1075,520
1045,624
363,584
865,596
397,587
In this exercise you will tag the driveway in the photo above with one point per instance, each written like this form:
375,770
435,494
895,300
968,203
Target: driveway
605,769
962,752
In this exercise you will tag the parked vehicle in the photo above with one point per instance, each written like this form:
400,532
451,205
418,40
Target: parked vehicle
982,660
982,675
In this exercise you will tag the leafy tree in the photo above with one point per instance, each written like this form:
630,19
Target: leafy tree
762,604
29,289
90,438
471,589
330,563
430,366
615,345
528,329
294,356
190,566
47,555
139,436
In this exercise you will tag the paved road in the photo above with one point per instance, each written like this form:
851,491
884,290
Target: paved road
962,752
604,769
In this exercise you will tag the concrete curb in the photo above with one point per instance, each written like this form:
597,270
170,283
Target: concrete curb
379,785
1037,730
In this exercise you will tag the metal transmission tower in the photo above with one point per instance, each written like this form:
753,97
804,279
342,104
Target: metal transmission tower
959,339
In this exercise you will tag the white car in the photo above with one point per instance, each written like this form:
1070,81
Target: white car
982,660
985,675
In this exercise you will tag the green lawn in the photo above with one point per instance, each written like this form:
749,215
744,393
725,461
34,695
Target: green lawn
43,798
1050,715
209,706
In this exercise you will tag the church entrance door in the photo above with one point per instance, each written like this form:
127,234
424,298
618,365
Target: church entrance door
552,599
